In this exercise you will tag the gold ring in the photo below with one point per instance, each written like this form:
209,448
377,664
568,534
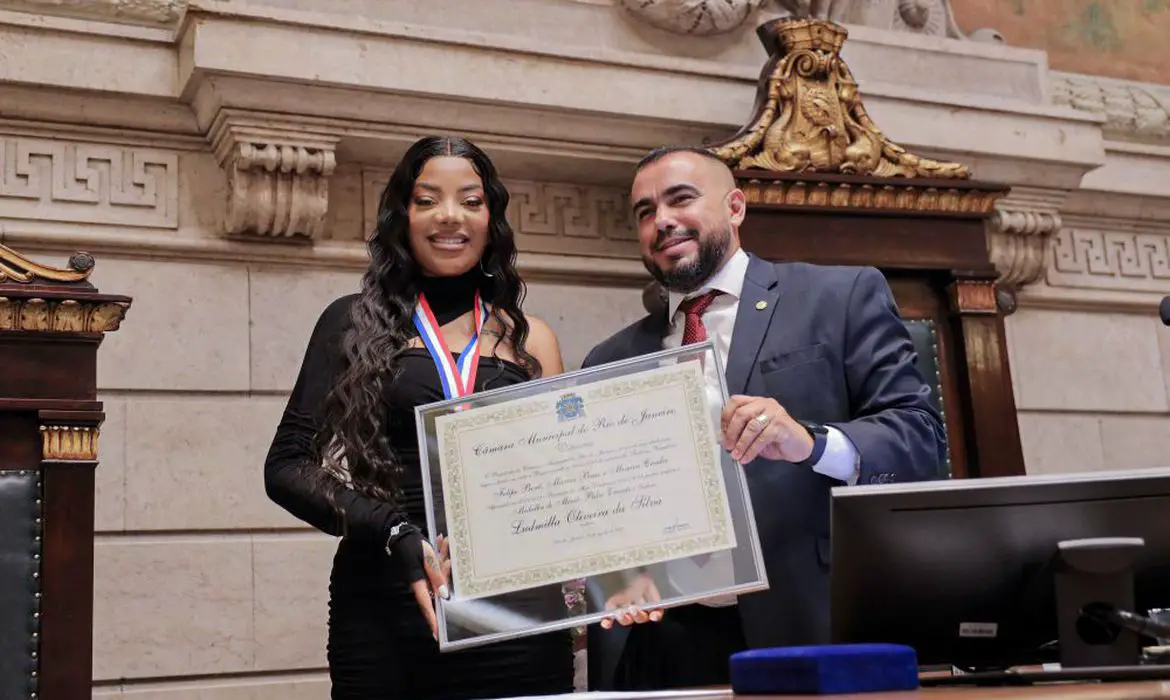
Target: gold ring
762,419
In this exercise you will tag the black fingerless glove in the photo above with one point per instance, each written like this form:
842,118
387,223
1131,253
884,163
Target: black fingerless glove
404,545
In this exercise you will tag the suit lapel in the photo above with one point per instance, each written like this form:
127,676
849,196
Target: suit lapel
757,305
648,338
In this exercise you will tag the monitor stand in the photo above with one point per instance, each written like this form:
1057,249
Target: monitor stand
1100,571
1087,572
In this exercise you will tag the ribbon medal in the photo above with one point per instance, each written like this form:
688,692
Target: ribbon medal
458,378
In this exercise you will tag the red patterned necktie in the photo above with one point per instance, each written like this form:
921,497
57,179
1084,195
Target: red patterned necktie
694,331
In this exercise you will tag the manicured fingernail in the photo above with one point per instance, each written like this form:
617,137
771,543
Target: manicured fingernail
656,615
444,593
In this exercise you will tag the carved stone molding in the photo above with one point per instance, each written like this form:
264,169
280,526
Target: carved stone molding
1133,111
548,217
929,17
278,175
1018,234
145,12
574,211
1114,255
809,117
694,17
69,443
85,182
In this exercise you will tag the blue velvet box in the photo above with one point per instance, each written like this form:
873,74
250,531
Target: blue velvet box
824,670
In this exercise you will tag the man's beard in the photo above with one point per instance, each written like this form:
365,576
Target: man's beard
686,277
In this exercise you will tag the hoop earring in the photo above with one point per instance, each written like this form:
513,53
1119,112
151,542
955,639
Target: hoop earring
484,269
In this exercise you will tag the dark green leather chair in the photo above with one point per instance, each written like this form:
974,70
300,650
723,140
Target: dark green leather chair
924,335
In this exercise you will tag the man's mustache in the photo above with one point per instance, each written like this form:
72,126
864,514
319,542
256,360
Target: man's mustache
674,235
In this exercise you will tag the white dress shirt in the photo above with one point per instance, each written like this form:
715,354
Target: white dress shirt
839,461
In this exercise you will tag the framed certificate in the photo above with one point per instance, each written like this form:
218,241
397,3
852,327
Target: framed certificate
564,497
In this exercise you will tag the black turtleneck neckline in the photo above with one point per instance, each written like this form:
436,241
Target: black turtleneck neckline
451,297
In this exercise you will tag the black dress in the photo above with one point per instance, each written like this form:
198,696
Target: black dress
379,644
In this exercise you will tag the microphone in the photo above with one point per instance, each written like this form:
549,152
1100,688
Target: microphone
1164,311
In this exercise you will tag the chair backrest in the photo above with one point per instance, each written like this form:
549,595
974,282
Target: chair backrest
20,584
924,335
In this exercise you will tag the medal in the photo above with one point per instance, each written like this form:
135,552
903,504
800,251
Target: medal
458,378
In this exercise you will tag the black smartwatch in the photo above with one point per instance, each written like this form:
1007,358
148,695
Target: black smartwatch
820,436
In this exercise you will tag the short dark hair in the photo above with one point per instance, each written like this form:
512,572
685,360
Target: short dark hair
662,151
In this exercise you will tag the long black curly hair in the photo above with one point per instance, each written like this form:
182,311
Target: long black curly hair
381,325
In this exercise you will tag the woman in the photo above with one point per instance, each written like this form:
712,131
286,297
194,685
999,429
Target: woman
345,457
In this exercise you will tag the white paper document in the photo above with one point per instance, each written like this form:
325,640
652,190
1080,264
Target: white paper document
614,474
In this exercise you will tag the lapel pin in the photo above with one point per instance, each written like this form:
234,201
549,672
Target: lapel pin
761,305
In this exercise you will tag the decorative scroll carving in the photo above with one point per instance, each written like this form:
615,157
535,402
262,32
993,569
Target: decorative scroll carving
165,12
695,17
809,117
575,211
1132,111
69,443
14,267
1018,233
1133,260
88,183
278,177
1017,240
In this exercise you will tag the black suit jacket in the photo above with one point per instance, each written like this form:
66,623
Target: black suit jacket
830,347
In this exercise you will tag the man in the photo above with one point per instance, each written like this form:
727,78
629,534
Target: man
824,392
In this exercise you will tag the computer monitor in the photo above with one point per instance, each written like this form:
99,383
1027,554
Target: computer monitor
967,571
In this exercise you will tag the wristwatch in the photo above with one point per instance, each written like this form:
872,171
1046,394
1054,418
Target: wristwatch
820,436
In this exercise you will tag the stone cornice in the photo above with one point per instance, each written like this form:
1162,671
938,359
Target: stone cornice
1133,111
151,13
540,267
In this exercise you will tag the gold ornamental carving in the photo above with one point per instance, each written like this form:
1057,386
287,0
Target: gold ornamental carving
890,196
809,116
14,267
61,315
44,299
69,443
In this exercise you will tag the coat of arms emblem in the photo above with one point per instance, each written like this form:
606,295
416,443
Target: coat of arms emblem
570,407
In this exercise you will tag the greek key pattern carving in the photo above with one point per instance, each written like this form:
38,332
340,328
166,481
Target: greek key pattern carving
47,180
547,209
548,217
1128,261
